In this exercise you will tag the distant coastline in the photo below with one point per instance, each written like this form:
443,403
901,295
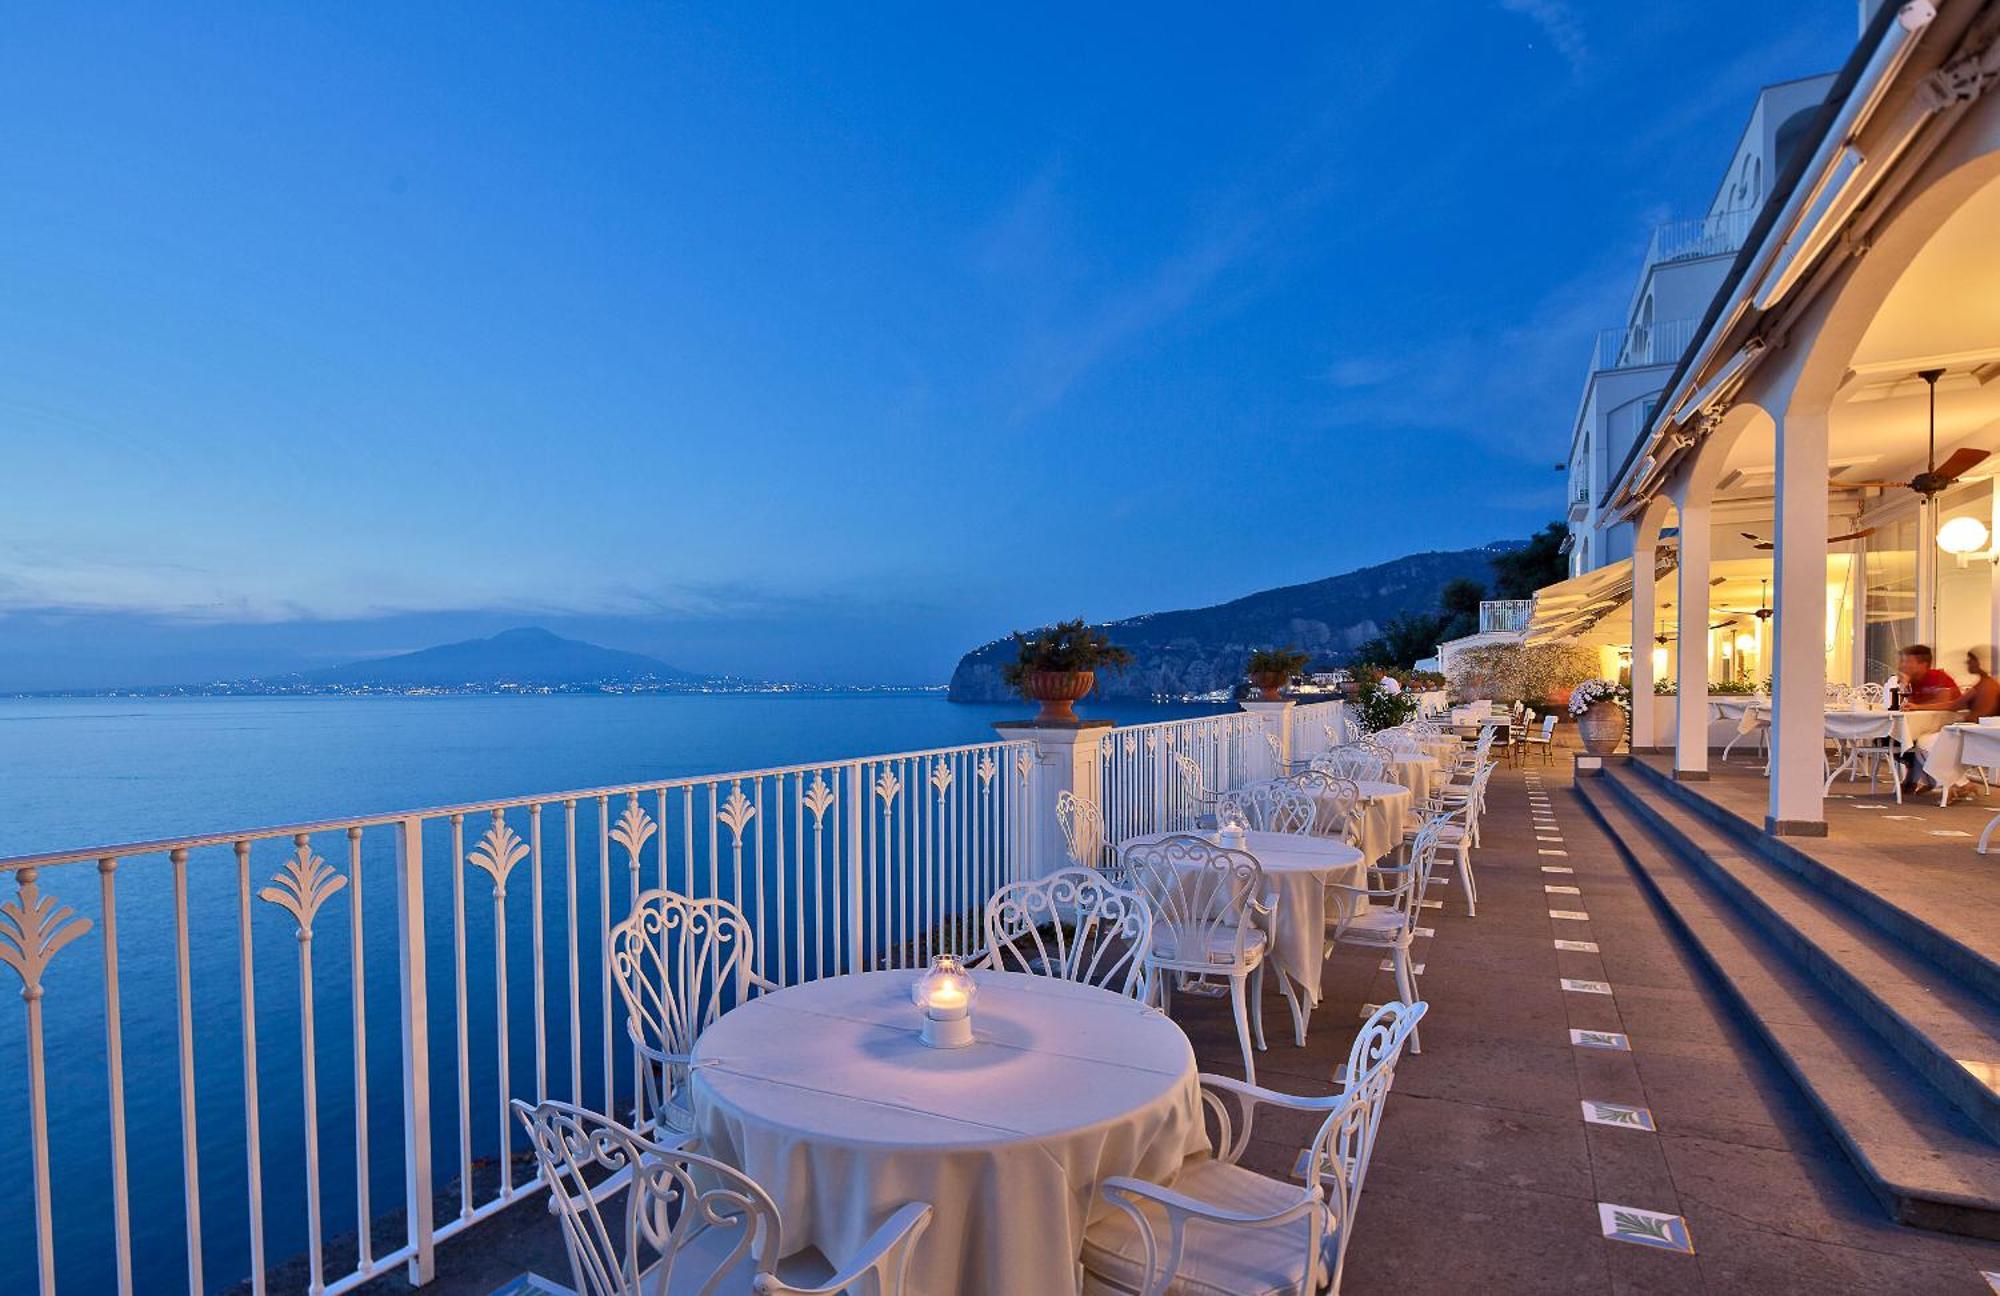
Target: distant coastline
601,688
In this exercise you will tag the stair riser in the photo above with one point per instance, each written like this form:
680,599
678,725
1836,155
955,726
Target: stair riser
1914,1046
1906,1208
1967,967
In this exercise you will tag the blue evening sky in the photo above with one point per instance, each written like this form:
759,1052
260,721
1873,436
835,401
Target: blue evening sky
808,340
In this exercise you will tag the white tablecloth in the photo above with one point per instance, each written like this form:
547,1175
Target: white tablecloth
1844,723
1297,870
823,1094
1386,810
1959,746
1417,773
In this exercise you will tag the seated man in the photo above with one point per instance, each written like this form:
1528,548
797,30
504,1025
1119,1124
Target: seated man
1980,700
1925,688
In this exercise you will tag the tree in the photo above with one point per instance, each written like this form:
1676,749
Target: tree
1459,600
1520,572
1407,639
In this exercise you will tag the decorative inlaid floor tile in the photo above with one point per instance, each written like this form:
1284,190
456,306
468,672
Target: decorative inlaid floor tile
1645,1228
1433,904
1548,837
1557,868
1871,806
1622,1115
1910,818
1389,965
1573,915
1549,850
1578,947
1575,986
1992,1279
535,1285
1561,890
1948,832
1609,1040
1426,931
1987,1073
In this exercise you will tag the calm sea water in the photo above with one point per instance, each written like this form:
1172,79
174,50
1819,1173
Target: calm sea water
79,773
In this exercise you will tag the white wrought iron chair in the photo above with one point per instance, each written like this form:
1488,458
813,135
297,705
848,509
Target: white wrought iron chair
1337,804
1224,1229
1279,762
643,1218
1274,806
1393,911
1083,833
1194,790
1207,902
679,963
1075,924
1354,762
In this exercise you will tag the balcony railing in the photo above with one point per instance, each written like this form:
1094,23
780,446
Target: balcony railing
1700,236
1505,616
1641,345
244,1047
388,983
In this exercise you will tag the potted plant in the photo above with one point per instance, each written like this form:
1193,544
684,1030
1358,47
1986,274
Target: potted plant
1597,706
1270,669
1057,667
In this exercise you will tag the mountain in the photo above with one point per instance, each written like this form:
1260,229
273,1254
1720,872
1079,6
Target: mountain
525,656
1198,650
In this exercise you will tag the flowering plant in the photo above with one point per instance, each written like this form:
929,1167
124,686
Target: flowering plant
1591,692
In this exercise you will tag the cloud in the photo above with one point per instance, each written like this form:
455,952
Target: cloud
1559,23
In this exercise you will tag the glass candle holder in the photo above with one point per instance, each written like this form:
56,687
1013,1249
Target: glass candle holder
944,995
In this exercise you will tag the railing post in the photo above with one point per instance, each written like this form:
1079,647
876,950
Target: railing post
412,983
1066,760
855,798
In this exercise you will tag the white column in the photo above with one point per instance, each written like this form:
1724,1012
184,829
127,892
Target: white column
1691,649
1066,760
1798,701
1645,539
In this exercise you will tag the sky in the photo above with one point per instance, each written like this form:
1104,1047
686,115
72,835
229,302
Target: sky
811,342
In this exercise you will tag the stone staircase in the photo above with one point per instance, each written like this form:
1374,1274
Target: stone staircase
1890,1027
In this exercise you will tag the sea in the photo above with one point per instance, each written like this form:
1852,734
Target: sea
78,773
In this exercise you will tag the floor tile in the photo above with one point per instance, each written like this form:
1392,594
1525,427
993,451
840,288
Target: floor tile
1643,1227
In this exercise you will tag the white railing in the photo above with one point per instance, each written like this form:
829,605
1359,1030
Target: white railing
440,962
1505,616
1139,785
1721,234
1319,727
1661,343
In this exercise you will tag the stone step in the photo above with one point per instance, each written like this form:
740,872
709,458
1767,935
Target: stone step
1928,1163
1965,966
1937,1025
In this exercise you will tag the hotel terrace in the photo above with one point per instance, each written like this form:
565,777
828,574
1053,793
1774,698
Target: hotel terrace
1253,1002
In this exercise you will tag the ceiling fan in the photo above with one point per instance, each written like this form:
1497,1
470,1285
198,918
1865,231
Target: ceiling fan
1763,611
1936,476
1759,542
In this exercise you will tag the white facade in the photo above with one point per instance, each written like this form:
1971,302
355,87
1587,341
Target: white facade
1684,266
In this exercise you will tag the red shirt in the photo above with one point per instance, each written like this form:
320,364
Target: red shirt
1934,686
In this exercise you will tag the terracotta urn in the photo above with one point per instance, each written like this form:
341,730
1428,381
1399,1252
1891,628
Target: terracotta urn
1269,684
1058,692
1601,728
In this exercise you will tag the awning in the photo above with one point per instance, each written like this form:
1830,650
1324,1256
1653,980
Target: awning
1576,608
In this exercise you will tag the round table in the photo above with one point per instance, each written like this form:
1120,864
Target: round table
1297,868
1386,810
1415,772
823,1094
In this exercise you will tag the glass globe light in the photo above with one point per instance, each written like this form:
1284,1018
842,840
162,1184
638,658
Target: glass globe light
945,993
1962,535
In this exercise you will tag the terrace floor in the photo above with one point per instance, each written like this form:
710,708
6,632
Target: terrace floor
1487,1177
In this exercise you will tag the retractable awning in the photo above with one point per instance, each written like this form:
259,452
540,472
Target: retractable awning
1584,607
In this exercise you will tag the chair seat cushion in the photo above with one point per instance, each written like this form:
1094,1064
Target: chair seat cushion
1221,946
1220,1260
1376,925
702,1258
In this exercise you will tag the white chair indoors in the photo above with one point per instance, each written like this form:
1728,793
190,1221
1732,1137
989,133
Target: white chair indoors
679,964
1223,1230
642,1218
1207,903
1075,924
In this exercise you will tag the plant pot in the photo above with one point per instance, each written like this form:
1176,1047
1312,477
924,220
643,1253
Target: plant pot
1601,728
1058,692
1269,684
